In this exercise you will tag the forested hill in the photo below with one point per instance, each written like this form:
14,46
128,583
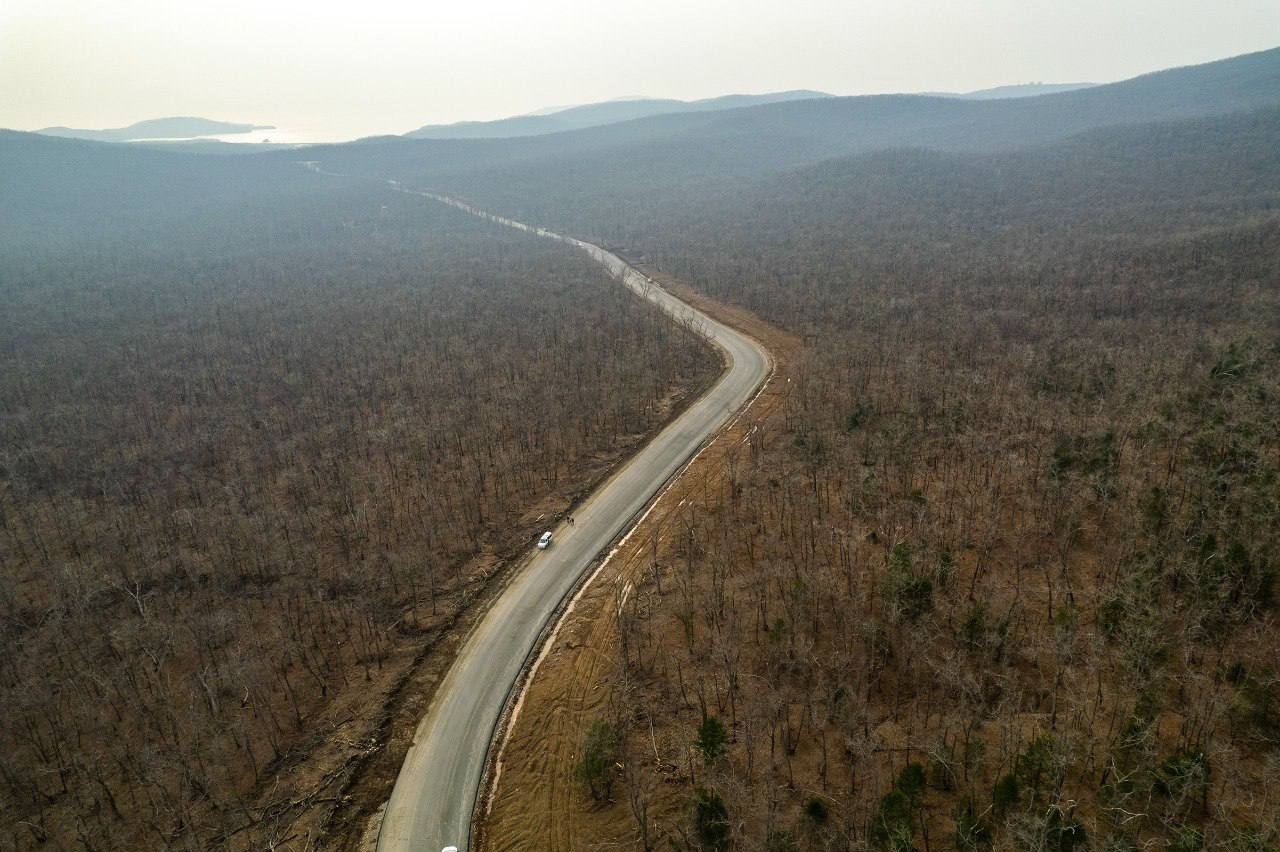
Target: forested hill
594,115
1020,90
64,184
1004,574
732,144
997,565
220,376
1205,192
1225,159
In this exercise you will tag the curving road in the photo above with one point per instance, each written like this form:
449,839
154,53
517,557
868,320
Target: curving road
435,794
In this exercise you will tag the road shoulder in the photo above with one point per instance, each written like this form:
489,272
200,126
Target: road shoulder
534,801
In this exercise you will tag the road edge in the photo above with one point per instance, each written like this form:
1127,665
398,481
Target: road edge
551,628
498,734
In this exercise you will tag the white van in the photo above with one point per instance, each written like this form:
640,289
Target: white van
545,541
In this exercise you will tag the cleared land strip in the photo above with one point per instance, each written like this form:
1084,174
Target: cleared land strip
536,801
435,793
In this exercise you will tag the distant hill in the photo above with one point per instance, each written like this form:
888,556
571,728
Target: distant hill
1232,158
599,181
690,151
72,186
180,127
562,118
595,115
1023,90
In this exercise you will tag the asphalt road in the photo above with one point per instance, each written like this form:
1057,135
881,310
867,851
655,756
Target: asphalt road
434,796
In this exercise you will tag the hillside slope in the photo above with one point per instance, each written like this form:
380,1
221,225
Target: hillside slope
1019,90
1002,572
594,115
681,156
266,437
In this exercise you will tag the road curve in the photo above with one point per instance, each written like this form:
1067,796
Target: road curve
435,794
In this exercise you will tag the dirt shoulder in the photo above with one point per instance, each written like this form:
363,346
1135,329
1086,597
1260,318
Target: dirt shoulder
329,793
536,801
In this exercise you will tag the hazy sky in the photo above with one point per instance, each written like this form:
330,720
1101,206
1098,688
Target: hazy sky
356,67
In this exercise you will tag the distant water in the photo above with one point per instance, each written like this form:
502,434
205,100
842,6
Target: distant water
278,135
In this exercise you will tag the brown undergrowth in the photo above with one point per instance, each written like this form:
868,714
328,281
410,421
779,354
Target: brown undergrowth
391,714
537,802
930,604
257,469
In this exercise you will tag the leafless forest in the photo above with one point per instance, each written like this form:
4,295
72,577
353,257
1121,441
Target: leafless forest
253,453
1002,572
999,572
